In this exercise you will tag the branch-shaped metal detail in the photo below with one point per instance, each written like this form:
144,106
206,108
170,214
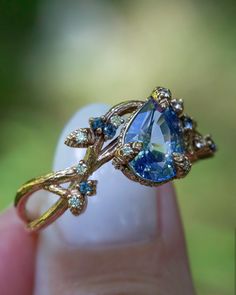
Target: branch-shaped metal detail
101,129
136,151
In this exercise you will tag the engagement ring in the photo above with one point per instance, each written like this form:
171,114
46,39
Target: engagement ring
151,142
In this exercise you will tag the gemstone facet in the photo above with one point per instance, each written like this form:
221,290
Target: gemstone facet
81,136
161,135
109,131
85,187
116,120
74,202
97,123
81,168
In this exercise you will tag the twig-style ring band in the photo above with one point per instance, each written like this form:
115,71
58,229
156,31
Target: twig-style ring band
151,142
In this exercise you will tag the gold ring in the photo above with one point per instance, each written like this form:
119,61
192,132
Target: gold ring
151,142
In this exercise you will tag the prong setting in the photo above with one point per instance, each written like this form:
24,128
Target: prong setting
126,153
204,146
182,165
81,168
76,203
97,124
109,131
189,124
116,120
177,105
87,188
162,96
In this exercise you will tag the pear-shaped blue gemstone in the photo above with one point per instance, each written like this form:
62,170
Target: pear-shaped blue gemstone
161,135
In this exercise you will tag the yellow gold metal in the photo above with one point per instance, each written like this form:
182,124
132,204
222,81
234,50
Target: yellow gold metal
72,139
196,147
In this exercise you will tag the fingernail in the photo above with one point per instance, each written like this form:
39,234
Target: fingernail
121,212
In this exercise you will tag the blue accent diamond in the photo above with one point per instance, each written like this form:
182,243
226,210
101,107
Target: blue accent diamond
161,135
84,187
109,130
97,123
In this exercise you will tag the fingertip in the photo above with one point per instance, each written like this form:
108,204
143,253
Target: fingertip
17,255
170,224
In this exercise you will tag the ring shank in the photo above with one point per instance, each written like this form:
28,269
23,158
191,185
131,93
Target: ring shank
43,183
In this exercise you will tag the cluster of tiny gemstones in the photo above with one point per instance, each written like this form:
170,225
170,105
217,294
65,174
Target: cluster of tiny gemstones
77,199
200,143
99,125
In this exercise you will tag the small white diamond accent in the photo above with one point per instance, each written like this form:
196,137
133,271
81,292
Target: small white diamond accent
116,120
74,202
81,136
178,105
200,143
81,168
127,150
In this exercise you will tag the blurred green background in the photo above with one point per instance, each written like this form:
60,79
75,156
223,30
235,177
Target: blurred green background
56,56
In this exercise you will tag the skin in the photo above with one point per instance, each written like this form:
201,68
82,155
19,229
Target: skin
155,267
17,255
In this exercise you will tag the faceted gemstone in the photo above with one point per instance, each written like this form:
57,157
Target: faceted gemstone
97,123
161,135
109,130
74,202
81,168
187,123
127,150
81,136
85,187
177,105
116,120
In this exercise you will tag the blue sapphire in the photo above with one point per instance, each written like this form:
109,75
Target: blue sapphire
161,135
109,131
84,187
97,123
